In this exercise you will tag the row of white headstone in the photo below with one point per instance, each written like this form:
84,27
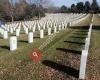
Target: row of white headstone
56,22
13,39
84,55
83,17
49,21
56,19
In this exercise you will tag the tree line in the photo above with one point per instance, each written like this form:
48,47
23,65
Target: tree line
82,8
25,10
21,10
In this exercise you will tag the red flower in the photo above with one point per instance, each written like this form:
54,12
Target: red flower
35,54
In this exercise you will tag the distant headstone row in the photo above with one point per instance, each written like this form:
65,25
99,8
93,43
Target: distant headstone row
98,14
55,22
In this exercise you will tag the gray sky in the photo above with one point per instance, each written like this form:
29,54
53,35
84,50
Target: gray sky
68,3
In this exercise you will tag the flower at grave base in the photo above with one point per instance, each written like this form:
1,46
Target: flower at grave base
35,54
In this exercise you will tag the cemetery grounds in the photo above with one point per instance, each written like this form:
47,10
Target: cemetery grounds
60,59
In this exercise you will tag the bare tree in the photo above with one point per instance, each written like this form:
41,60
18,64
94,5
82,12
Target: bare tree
12,10
6,7
40,3
20,7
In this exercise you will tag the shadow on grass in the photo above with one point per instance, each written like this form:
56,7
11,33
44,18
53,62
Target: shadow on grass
5,47
69,50
81,43
52,31
83,34
96,27
36,37
22,41
85,31
80,27
22,33
80,37
1,37
45,33
66,69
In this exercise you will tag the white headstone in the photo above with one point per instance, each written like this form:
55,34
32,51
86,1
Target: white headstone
59,27
17,32
55,29
5,35
62,26
13,43
69,24
39,27
44,26
41,34
26,30
49,31
2,31
83,64
11,30
87,43
30,37
34,29
65,25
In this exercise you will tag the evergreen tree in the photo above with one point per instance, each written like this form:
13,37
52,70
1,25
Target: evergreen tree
63,9
94,6
80,7
73,8
87,7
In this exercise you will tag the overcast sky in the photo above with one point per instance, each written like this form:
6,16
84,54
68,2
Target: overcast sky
69,2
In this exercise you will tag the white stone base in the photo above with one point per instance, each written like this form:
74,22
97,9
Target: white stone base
41,34
83,64
5,35
30,37
13,43
49,31
17,32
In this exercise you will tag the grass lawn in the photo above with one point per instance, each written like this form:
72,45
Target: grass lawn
60,60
